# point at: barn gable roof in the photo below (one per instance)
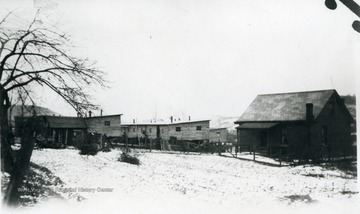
(285, 106)
(65, 122)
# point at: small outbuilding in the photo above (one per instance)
(309, 124)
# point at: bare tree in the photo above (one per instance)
(39, 54)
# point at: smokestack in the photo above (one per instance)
(171, 119)
(90, 113)
(309, 111)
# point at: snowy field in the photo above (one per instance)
(188, 183)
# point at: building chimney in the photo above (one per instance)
(101, 112)
(189, 118)
(134, 121)
(171, 119)
(309, 111)
(78, 114)
(90, 113)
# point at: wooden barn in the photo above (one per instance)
(162, 133)
(65, 130)
(141, 133)
(70, 130)
(313, 124)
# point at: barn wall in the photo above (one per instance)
(297, 137)
(274, 136)
(188, 131)
(97, 125)
(249, 137)
(218, 135)
(338, 129)
(135, 131)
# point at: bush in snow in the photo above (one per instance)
(128, 158)
(88, 149)
(106, 149)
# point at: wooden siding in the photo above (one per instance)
(109, 125)
(189, 131)
(137, 130)
(218, 135)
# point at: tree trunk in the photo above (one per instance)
(21, 168)
(7, 161)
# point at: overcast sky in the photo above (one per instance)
(204, 58)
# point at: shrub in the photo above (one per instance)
(44, 142)
(106, 149)
(127, 158)
(88, 149)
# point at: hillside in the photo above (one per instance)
(223, 122)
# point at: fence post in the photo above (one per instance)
(126, 142)
(219, 148)
(280, 151)
(254, 152)
(150, 143)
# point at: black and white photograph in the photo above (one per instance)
(179, 106)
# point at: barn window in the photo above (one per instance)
(198, 128)
(107, 123)
(150, 130)
(178, 129)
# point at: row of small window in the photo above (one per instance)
(178, 129)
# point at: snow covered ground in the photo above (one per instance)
(190, 183)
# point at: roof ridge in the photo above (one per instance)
(294, 92)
